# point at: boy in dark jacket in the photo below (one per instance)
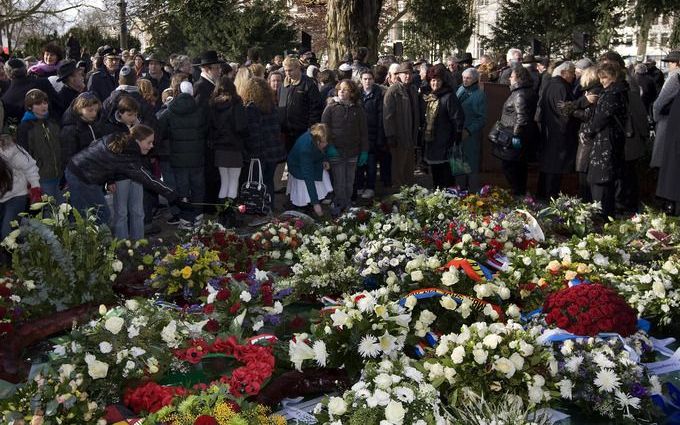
(183, 125)
(39, 136)
(372, 100)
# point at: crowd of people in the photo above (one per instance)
(142, 125)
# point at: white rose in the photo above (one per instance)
(136, 351)
(505, 367)
(97, 369)
(168, 333)
(416, 276)
(132, 305)
(114, 324)
(65, 370)
(383, 381)
(117, 266)
(457, 355)
(336, 406)
(411, 302)
(659, 289)
(30, 285)
(517, 360)
(394, 412)
(513, 311)
(480, 355)
(448, 303)
(105, 347)
(492, 341)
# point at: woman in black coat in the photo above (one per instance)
(227, 131)
(444, 120)
(517, 117)
(607, 157)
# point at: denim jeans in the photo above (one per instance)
(190, 184)
(9, 210)
(343, 171)
(85, 196)
(128, 210)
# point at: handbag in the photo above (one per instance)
(501, 143)
(457, 161)
(254, 194)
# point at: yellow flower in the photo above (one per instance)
(186, 272)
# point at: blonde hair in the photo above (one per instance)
(147, 90)
(258, 92)
(291, 61)
(589, 77)
(320, 133)
(241, 80)
(257, 70)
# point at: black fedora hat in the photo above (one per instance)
(673, 56)
(464, 58)
(154, 57)
(209, 58)
(529, 58)
(67, 68)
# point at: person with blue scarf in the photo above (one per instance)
(39, 136)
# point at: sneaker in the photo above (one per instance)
(173, 220)
(185, 224)
(368, 194)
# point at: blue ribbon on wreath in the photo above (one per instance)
(669, 405)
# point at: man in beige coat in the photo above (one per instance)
(401, 118)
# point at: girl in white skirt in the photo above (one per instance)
(308, 179)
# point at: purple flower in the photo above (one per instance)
(639, 390)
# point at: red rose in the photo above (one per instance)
(234, 308)
(212, 326)
(223, 294)
(205, 420)
(240, 277)
(208, 308)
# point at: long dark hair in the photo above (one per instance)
(6, 177)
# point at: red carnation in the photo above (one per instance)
(223, 294)
(205, 420)
(589, 309)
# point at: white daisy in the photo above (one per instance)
(607, 380)
(369, 347)
(603, 361)
(566, 387)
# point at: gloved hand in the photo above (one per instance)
(35, 194)
(332, 151)
(516, 142)
(363, 159)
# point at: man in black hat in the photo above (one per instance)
(73, 84)
(103, 81)
(211, 71)
(155, 73)
(529, 62)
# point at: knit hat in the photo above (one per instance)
(186, 87)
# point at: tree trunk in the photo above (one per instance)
(643, 34)
(351, 24)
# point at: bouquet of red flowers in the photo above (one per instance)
(151, 397)
(588, 309)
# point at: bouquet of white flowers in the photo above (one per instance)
(389, 392)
